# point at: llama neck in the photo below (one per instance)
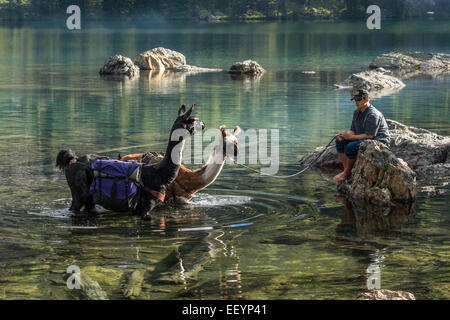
(213, 166)
(174, 151)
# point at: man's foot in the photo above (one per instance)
(339, 176)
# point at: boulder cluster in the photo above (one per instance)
(158, 59)
(162, 59)
(388, 70)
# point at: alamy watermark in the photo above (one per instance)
(374, 270)
(74, 280)
(74, 20)
(374, 278)
(374, 20)
(263, 147)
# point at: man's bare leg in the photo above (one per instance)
(348, 170)
(339, 176)
(348, 165)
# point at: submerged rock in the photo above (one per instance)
(379, 177)
(193, 69)
(133, 287)
(406, 64)
(119, 65)
(246, 67)
(91, 289)
(425, 152)
(386, 295)
(375, 81)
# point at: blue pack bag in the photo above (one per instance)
(114, 185)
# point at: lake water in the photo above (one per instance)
(293, 238)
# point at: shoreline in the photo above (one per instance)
(210, 19)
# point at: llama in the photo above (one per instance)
(188, 182)
(154, 178)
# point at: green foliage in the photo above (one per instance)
(234, 9)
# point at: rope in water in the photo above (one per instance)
(289, 176)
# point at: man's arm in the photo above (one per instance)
(358, 136)
(350, 135)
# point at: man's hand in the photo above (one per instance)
(346, 135)
(343, 135)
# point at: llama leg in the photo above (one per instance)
(89, 204)
(76, 205)
(146, 214)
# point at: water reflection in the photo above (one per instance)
(249, 81)
(361, 225)
(365, 220)
(164, 82)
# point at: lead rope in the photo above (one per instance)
(289, 176)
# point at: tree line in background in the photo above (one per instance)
(226, 9)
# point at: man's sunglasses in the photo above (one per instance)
(357, 98)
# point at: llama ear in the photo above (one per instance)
(182, 110)
(223, 130)
(237, 130)
(189, 112)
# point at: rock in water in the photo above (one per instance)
(375, 81)
(413, 63)
(419, 147)
(119, 65)
(400, 65)
(386, 295)
(134, 285)
(246, 67)
(160, 59)
(91, 288)
(193, 69)
(379, 177)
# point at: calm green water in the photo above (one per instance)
(303, 243)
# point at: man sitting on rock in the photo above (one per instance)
(368, 124)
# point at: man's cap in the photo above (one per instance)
(360, 93)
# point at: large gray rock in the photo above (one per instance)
(425, 152)
(119, 65)
(379, 177)
(377, 82)
(420, 148)
(405, 65)
(386, 295)
(246, 67)
(162, 59)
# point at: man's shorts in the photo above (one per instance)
(349, 147)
